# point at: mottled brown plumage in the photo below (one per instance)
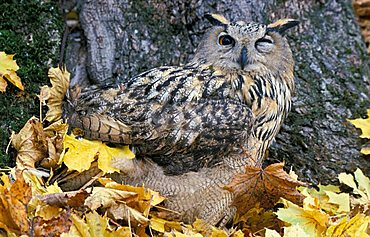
(193, 127)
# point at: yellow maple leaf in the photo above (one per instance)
(120, 231)
(329, 187)
(94, 224)
(3, 84)
(106, 197)
(5, 182)
(363, 124)
(162, 225)
(143, 194)
(202, 228)
(363, 182)
(78, 228)
(356, 226)
(80, 153)
(176, 233)
(206, 229)
(238, 233)
(341, 199)
(109, 157)
(97, 224)
(271, 233)
(257, 219)
(310, 218)
(294, 231)
(362, 189)
(365, 150)
(330, 198)
(8, 66)
(216, 232)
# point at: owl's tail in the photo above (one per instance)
(80, 111)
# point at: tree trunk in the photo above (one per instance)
(117, 39)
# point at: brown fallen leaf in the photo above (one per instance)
(257, 219)
(54, 95)
(53, 227)
(72, 180)
(30, 143)
(143, 201)
(35, 144)
(54, 136)
(46, 212)
(121, 211)
(6, 221)
(263, 186)
(115, 203)
(14, 206)
(72, 199)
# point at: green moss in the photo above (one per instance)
(31, 30)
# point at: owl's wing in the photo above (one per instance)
(163, 130)
(198, 134)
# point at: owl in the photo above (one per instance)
(193, 127)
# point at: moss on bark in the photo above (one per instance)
(31, 30)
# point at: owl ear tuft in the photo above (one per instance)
(282, 25)
(216, 19)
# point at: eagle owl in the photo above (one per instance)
(193, 127)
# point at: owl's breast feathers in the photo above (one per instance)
(185, 118)
(269, 98)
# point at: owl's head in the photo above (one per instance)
(248, 47)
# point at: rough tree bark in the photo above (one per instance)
(117, 39)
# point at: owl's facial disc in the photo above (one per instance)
(244, 46)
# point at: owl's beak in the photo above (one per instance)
(243, 57)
